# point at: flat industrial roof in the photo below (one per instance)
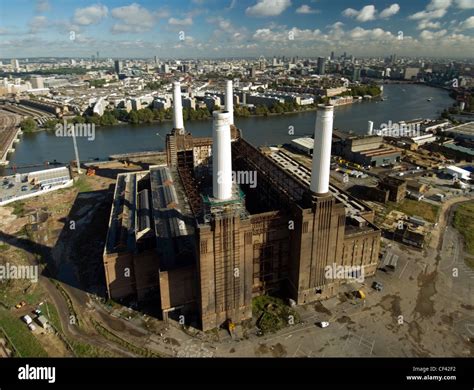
(353, 207)
(459, 148)
(465, 129)
(306, 142)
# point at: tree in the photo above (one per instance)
(134, 117)
(50, 124)
(97, 83)
(78, 119)
(94, 119)
(145, 115)
(153, 85)
(28, 125)
(108, 119)
(261, 110)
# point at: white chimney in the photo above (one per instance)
(229, 100)
(177, 106)
(322, 149)
(370, 129)
(221, 156)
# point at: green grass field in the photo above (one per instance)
(427, 211)
(82, 185)
(464, 223)
(19, 334)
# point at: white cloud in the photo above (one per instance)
(428, 15)
(429, 35)
(438, 4)
(436, 9)
(180, 22)
(162, 13)
(90, 15)
(426, 24)
(376, 33)
(38, 23)
(364, 15)
(226, 30)
(306, 9)
(467, 24)
(390, 11)
(465, 4)
(42, 6)
(336, 25)
(133, 18)
(268, 8)
(281, 36)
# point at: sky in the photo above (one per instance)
(235, 28)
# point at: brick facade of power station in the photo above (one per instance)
(275, 237)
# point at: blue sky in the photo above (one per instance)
(226, 28)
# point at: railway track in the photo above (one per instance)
(8, 131)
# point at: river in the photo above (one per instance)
(403, 102)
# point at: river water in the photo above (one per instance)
(403, 102)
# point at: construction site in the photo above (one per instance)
(204, 244)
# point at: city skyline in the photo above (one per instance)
(247, 28)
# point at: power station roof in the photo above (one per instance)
(305, 142)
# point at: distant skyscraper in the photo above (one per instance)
(252, 72)
(321, 65)
(15, 64)
(37, 82)
(118, 66)
(332, 56)
(344, 55)
(98, 57)
(156, 60)
(356, 74)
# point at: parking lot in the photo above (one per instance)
(12, 187)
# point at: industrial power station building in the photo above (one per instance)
(223, 222)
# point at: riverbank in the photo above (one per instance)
(208, 119)
(402, 103)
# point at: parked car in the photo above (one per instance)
(323, 324)
(20, 304)
(24, 188)
(27, 319)
(32, 327)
